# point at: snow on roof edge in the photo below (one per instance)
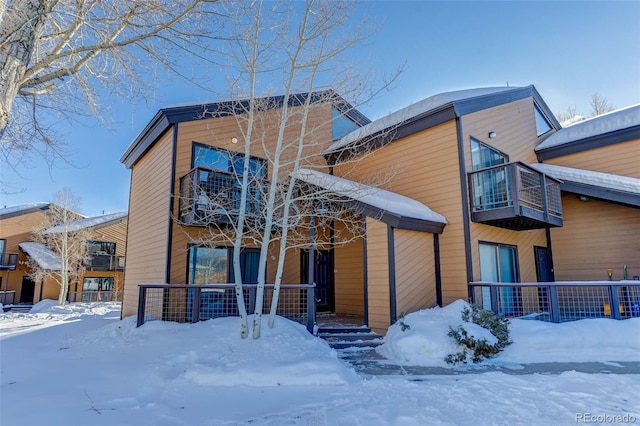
(612, 121)
(43, 255)
(417, 108)
(88, 222)
(370, 195)
(589, 177)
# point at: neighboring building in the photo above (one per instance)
(104, 265)
(461, 200)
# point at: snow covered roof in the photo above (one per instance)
(190, 111)
(421, 108)
(614, 121)
(608, 186)
(384, 205)
(22, 209)
(43, 255)
(89, 222)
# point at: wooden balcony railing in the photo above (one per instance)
(211, 196)
(514, 196)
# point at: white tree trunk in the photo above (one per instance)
(16, 51)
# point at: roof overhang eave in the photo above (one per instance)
(606, 194)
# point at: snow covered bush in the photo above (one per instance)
(478, 347)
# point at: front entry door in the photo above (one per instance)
(321, 276)
(28, 290)
(544, 274)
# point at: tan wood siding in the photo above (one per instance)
(217, 132)
(415, 271)
(515, 127)
(348, 274)
(596, 235)
(16, 230)
(378, 276)
(116, 233)
(523, 240)
(425, 167)
(621, 159)
(148, 215)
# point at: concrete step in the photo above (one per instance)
(350, 337)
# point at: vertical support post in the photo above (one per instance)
(312, 248)
(311, 307)
(436, 255)
(493, 291)
(195, 303)
(142, 296)
(4, 294)
(391, 247)
(555, 305)
(614, 302)
(545, 201)
(365, 273)
(513, 185)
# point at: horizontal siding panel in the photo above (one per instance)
(621, 159)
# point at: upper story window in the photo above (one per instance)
(483, 156)
(226, 161)
(101, 248)
(542, 124)
(342, 124)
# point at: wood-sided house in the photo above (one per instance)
(447, 191)
(104, 266)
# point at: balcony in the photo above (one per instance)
(209, 197)
(104, 262)
(8, 261)
(514, 196)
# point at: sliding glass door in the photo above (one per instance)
(498, 263)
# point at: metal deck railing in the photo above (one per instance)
(193, 303)
(560, 301)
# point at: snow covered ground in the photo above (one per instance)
(81, 365)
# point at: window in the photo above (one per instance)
(101, 248)
(208, 265)
(3, 245)
(499, 264)
(226, 161)
(542, 124)
(482, 155)
(97, 283)
(342, 124)
(490, 186)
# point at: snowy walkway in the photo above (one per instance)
(367, 362)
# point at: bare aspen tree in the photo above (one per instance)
(301, 50)
(58, 56)
(67, 242)
(599, 105)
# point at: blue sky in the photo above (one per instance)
(568, 50)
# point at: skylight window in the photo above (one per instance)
(542, 124)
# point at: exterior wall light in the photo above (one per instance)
(234, 140)
(492, 135)
(584, 198)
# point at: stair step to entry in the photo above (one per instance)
(350, 337)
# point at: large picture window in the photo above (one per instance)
(97, 284)
(226, 161)
(483, 155)
(208, 265)
(489, 187)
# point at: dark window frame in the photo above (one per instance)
(231, 153)
(511, 246)
(473, 140)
